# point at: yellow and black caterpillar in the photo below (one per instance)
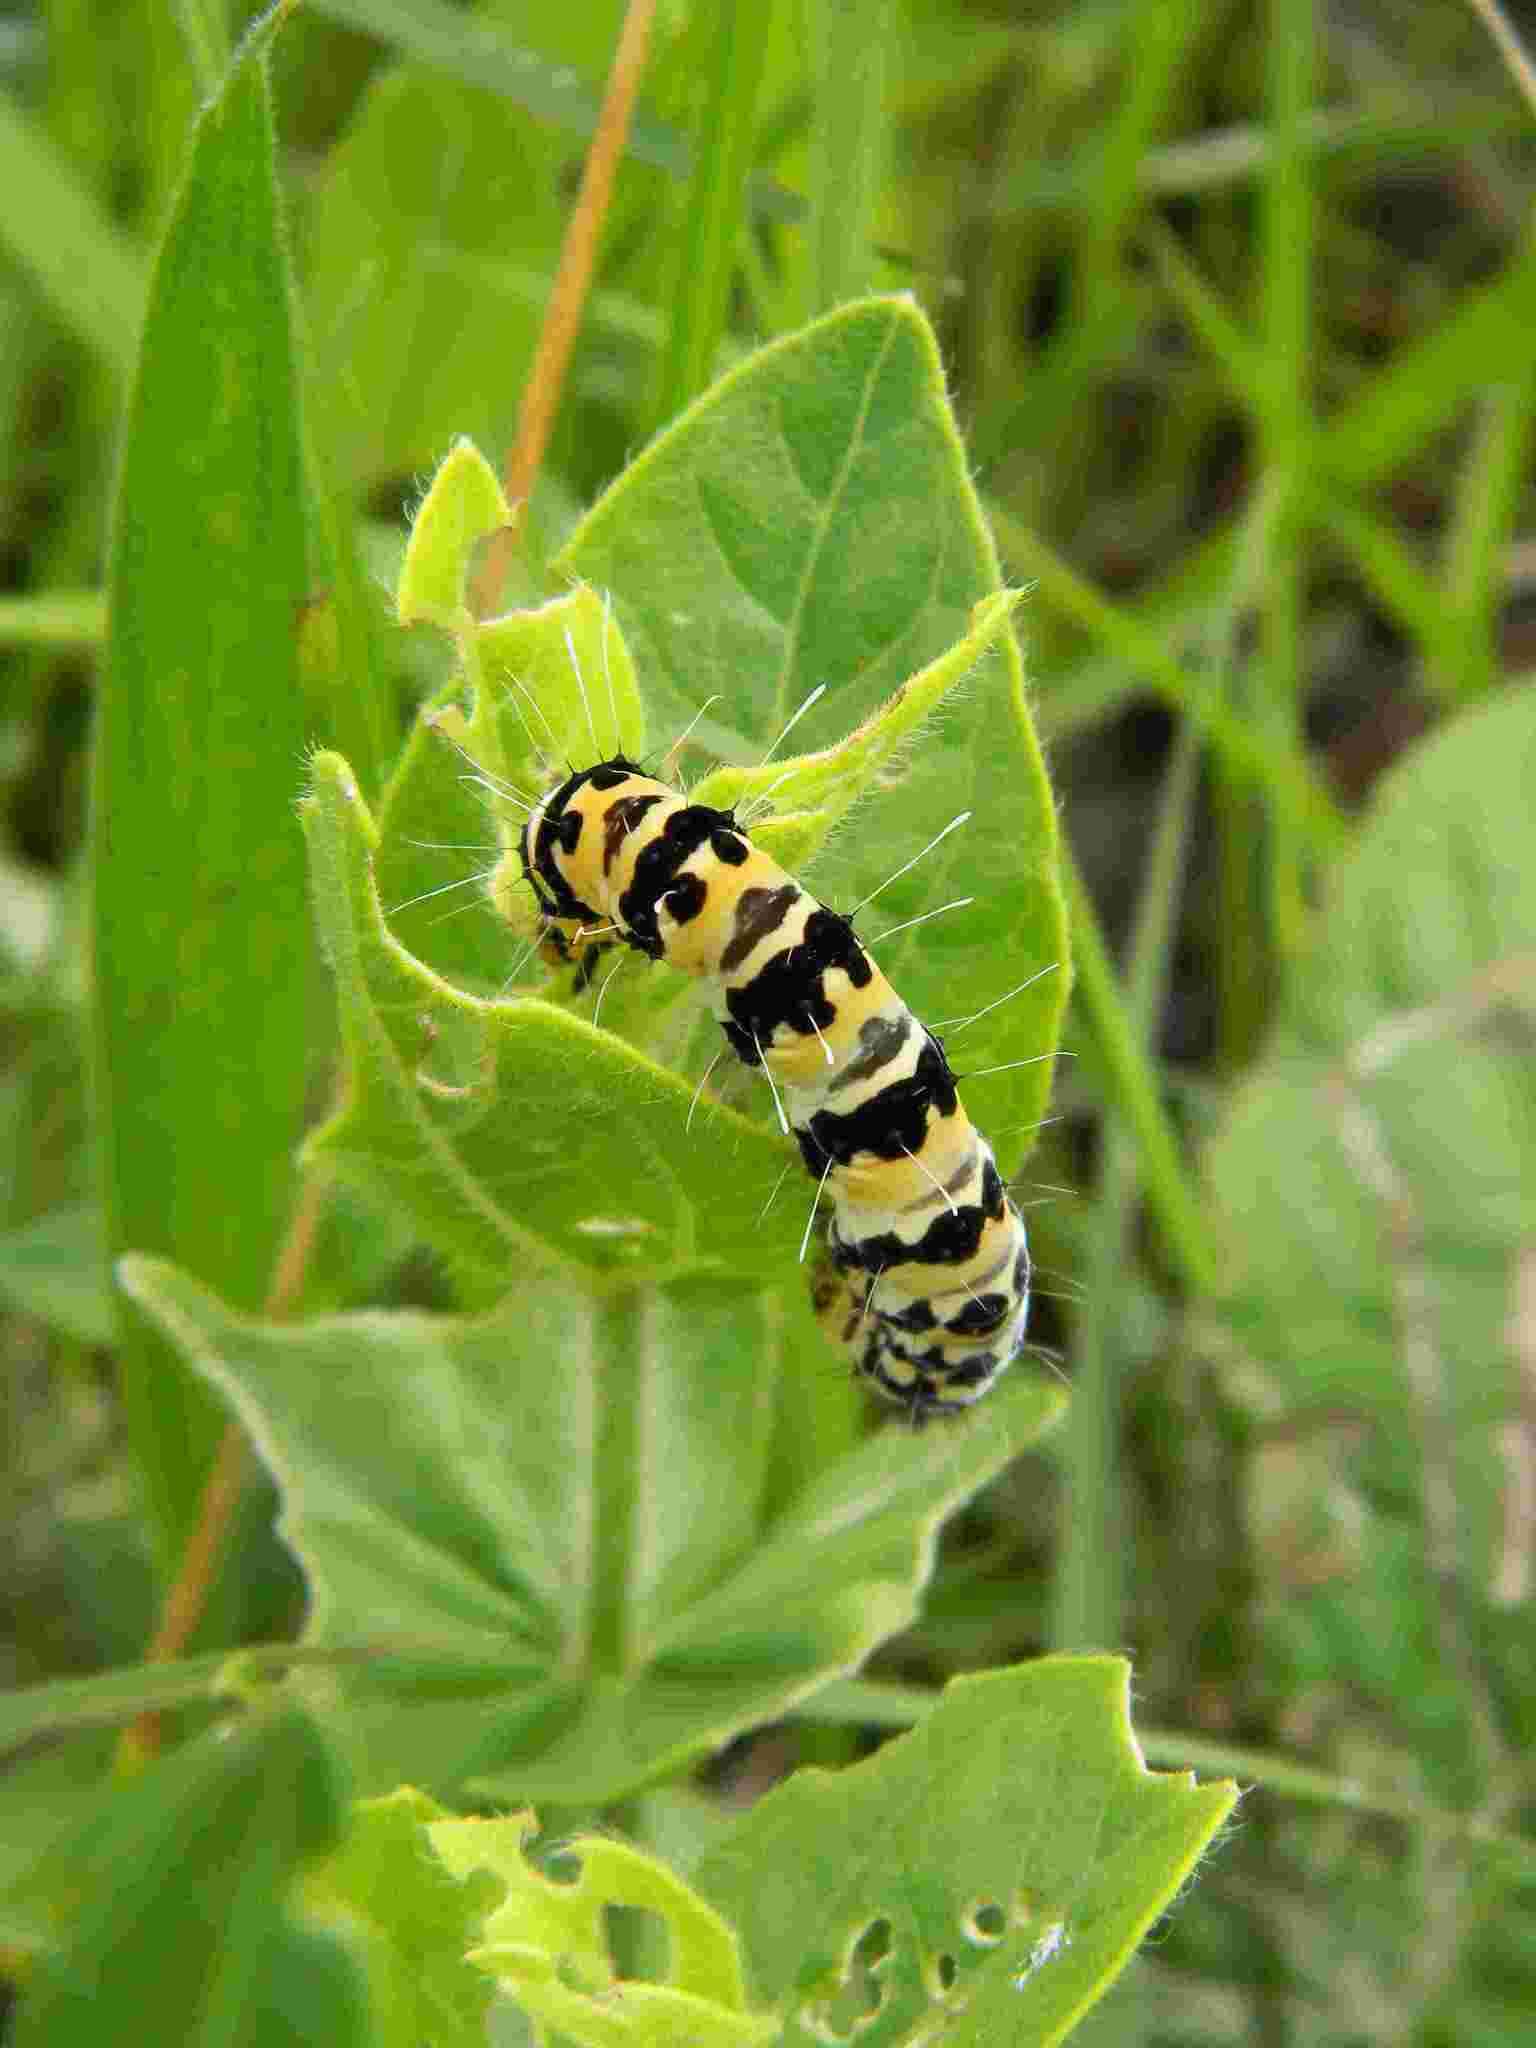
(931, 1262)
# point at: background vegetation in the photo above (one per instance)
(1238, 307)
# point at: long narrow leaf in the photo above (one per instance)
(56, 232)
(848, 41)
(1488, 501)
(1285, 777)
(1171, 1194)
(1491, 333)
(200, 929)
(735, 39)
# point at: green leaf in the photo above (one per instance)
(546, 1942)
(811, 520)
(501, 1128)
(1171, 1190)
(551, 684)
(55, 231)
(1489, 496)
(349, 652)
(812, 792)
(557, 82)
(413, 1923)
(201, 987)
(558, 684)
(861, 403)
(1377, 1183)
(848, 46)
(981, 1880)
(446, 1088)
(169, 1899)
(463, 504)
(726, 61)
(554, 683)
(498, 1498)
(1401, 583)
(1284, 776)
(54, 1269)
(43, 1795)
(1491, 331)
(434, 237)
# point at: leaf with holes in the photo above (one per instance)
(546, 1942)
(410, 1921)
(981, 1881)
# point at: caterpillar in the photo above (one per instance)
(926, 1283)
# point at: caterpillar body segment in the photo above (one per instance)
(925, 1278)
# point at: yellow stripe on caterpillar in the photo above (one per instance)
(926, 1278)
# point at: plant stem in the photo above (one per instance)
(568, 294)
(733, 40)
(849, 40)
(187, 1594)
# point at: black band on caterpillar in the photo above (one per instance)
(928, 1283)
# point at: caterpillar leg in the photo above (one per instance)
(841, 1301)
(928, 1336)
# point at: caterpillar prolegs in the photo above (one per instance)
(927, 1275)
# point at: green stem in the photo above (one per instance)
(1488, 499)
(1091, 1573)
(1251, 759)
(1286, 428)
(849, 40)
(1171, 1194)
(734, 39)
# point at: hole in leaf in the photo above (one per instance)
(856, 2000)
(984, 1923)
(873, 1945)
(946, 1972)
(639, 1941)
(572, 1975)
(558, 1863)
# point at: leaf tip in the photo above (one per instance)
(463, 505)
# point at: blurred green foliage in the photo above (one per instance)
(1238, 309)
